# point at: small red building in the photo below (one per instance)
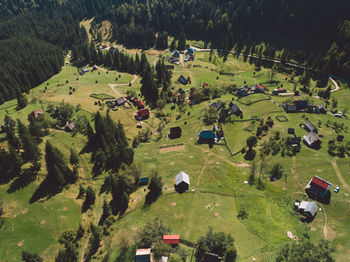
(171, 239)
(36, 113)
(143, 113)
(140, 104)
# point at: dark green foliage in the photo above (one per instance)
(155, 188)
(162, 41)
(213, 242)
(80, 232)
(242, 214)
(89, 199)
(276, 171)
(181, 45)
(149, 88)
(231, 254)
(73, 158)
(107, 211)
(210, 116)
(306, 251)
(152, 232)
(252, 141)
(31, 257)
(21, 101)
(95, 239)
(108, 145)
(82, 192)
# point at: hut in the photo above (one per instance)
(182, 182)
(143, 255)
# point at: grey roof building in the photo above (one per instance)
(312, 139)
(309, 209)
(182, 177)
(310, 127)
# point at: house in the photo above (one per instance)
(307, 209)
(144, 181)
(257, 89)
(182, 80)
(217, 105)
(279, 91)
(143, 113)
(120, 101)
(143, 255)
(171, 239)
(301, 105)
(206, 136)
(242, 92)
(182, 182)
(85, 70)
(176, 54)
(94, 67)
(312, 140)
(308, 126)
(70, 127)
(289, 108)
(322, 108)
(210, 257)
(175, 132)
(236, 110)
(140, 105)
(164, 259)
(190, 51)
(318, 186)
(37, 113)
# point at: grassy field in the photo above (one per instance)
(217, 190)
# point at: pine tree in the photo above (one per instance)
(89, 199)
(31, 257)
(181, 45)
(149, 88)
(107, 211)
(73, 159)
(21, 100)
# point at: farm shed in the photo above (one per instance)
(144, 180)
(171, 239)
(312, 140)
(308, 126)
(176, 54)
(143, 113)
(206, 136)
(183, 80)
(236, 110)
(308, 209)
(143, 255)
(37, 113)
(182, 182)
(120, 101)
(70, 127)
(175, 132)
(318, 186)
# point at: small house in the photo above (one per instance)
(308, 126)
(120, 101)
(236, 110)
(37, 113)
(210, 257)
(183, 80)
(205, 85)
(171, 239)
(175, 132)
(143, 255)
(318, 186)
(289, 108)
(144, 181)
(257, 89)
(176, 54)
(301, 105)
(94, 67)
(307, 209)
(182, 182)
(312, 140)
(241, 92)
(143, 113)
(322, 109)
(206, 136)
(140, 104)
(70, 127)
(190, 51)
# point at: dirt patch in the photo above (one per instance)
(19, 244)
(346, 194)
(24, 211)
(340, 247)
(319, 170)
(172, 163)
(146, 154)
(216, 215)
(65, 209)
(134, 228)
(171, 149)
(284, 188)
(208, 206)
(290, 234)
(218, 163)
(173, 204)
(330, 234)
(191, 156)
(313, 228)
(217, 204)
(221, 149)
(43, 222)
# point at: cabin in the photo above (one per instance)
(143, 114)
(183, 80)
(205, 85)
(144, 181)
(308, 126)
(70, 127)
(171, 239)
(210, 257)
(120, 101)
(279, 91)
(37, 113)
(182, 182)
(140, 105)
(322, 109)
(104, 46)
(176, 54)
(318, 187)
(175, 132)
(143, 255)
(206, 137)
(312, 140)
(236, 110)
(307, 209)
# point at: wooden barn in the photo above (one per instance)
(171, 239)
(182, 182)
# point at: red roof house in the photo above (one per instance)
(140, 104)
(261, 87)
(171, 239)
(143, 113)
(318, 186)
(36, 113)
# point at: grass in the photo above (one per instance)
(102, 96)
(216, 177)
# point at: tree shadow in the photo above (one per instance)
(44, 190)
(21, 181)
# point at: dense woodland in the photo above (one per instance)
(312, 32)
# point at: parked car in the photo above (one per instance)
(336, 190)
(340, 115)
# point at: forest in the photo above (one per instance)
(310, 32)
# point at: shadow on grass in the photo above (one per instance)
(21, 182)
(44, 190)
